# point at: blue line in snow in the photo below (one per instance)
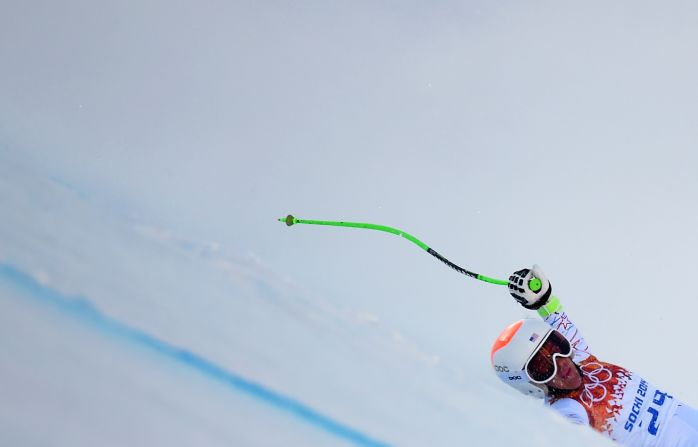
(84, 310)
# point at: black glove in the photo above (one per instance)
(530, 288)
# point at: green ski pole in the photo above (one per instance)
(290, 220)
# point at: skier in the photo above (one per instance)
(550, 359)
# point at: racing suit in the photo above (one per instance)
(615, 401)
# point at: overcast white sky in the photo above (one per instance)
(500, 133)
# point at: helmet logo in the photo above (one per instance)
(534, 337)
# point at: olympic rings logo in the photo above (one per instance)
(595, 391)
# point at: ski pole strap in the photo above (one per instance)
(291, 220)
(553, 305)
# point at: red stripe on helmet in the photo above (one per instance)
(505, 337)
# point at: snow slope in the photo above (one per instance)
(117, 332)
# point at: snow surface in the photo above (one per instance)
(98, 309)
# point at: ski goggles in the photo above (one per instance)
(541, 367)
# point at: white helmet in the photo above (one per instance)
(513, 348)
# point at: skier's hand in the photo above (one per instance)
(530, 287)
